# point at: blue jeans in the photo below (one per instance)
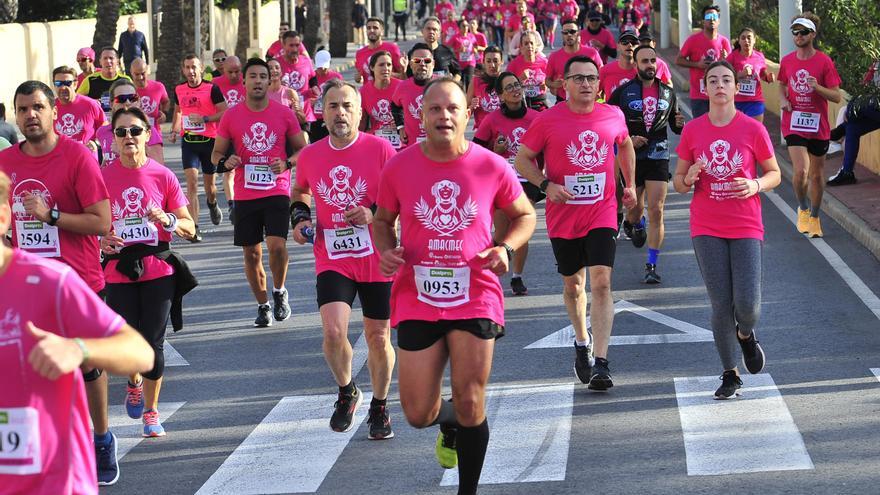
(868, 121)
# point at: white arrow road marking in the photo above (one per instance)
(290, 451)
(688, 332)
(749, 434)
(359, 355)
(876, 372)
(172, 357)
(129, 432)
(530, 428)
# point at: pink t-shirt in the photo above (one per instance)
(663, 72)
(258, 138)
(480, 41)
(698, 47)
(532, 75)
(448, 30)
(79, 119)
(750, 87)
(71, 188)
(604, 36)
(339, 180)
(463, 45)
(569, 9)
(232, 93)
(809, 109)
(297, 75)
(317, 102)
(276, 50)
(362, 58)
(579, 155)
(731, 151)
(203, 100)
(612, 76)
(376, 105)
(649, 104)
(496, 124)
(445, 221)
(408, 96)
(441, 8)
(152, 97)
(557, 60)
(515, 21)
(133, 192)
(106, 141)
(55, 299)
(489, 101)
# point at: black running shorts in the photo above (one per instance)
(651, 170)
(375, 297)
(597, 248)
(815, 147)
(256, 218)
(417, 335)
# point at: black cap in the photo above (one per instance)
(629, 33)
(594, 15)
(646, 36)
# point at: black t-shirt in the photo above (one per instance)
(445, 61)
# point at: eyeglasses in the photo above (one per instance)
(579, 79)
(131, 98)
(426, 60)
(133, 131)
(58, 84)
(801, 32)
(220, 60)
(513, 87)
(570, 31)
(710, 17)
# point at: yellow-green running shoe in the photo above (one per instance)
(445, 447)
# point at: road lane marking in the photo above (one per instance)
(876, 372)
(750, 434)
(129, 432)
(172, 357)
(530, 429)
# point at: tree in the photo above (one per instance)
(106, 17)
(189, 33)
(170, 51)
(340, 27)
(8, 11)
(311, 32)
(243, 40)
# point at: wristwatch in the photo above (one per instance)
(544, 184)
(509, 250)
(54, 215)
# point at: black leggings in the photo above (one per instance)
(145, 306)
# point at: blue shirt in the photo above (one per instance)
(133, 45)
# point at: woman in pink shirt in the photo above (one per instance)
(123, 94)
(481, 93)
(284, 94)
(751, 69)
(531, 68)
(148, 206)
(376, 94)
(719, 154)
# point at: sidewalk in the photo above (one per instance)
(856, 208)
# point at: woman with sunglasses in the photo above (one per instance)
(123, 94)
(481, 93)
(285, 95)
(147, 206)
(531, 68)
(751, 69)
(718, 157)
(500, 132)
(376, 116)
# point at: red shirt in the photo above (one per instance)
(698, 47)
(612, 76)
(376, 105)
(79, 119)
(557, 60)
(71, 188)
(809, 115)
(362, 58)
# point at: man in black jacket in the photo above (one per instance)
(445, 61)
(649, 107)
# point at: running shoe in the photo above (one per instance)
(380, 424)
(639, 234)
(263, 319)
(842, 178)
(803, 221)
(343, 410)
(730, 384)
(601, 378)
(814, 227)
(628, 229)
(753, 354)
(282, 306)
(107, 463)
(651, 276)
(197, 237)
(583, 362)
(444, 449)
(216, 213)
(134, 400)
(152, 427)
(518, 287)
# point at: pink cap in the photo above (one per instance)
(86, 52)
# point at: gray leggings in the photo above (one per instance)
(731, 269)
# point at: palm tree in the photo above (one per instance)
(107, 16)
(171, 49)
(189, 42)
(340, 26)
(8, 11)
(311, 32)
(243, 40)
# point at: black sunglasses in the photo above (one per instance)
(133, 131)
(801, 32)
(125, 98)
(570, 31)
(58, 84)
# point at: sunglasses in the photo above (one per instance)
(426, 60)
(220, 60)
(570, 31)
(628, 41)
(81, 60)
(579, 79)
(58, 84)
(711, 17)
(801, 32)
(133, 131)
(513, 87)
(125, 98)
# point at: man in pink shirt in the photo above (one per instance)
(663, 73)
(613, 75)
(342, 174)
(406, 103)
(232, 87)
(571, 46)
(700, 50)
(599, 37)
(154, 102)
(375, 32)
(808, 80)
(446, 301)
(85, 58)
(578, 139)
(51, 324)
(260, 131)
(78, 118)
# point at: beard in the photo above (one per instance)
(647, 75)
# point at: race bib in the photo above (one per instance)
(748, 87)
(20, 441)
(586, 188)
(105, 104)
(467, 56)
(512, 161)
(804, 121)
(189, 125)
(349, 242)
(532, 91)
(38, 238)
(259, 177)
(136, 230)
(152, 121)
(391, 136)
(319, 106)
(443, 287)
